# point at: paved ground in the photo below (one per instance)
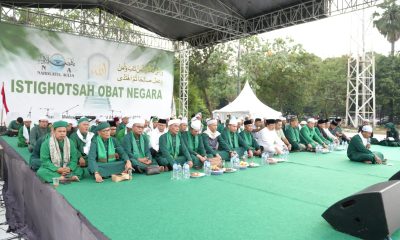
(4, 235)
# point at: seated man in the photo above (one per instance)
(113, 128)
(293, 135)
(328, 133)
(308, 136)
(392, 136)
(34, 160)
(302, 124)
(319, 130)
(172, 147)
(14, 126)
(38, 131)
(183, 127)
(248, 138)
(235, 142)
(278, 128)
(82, 140)
(155, 136)
(136, 145)
(258, 126)
(123, 123)
(214, 144)
(358, 149)
(269, 138)
(58, 156)
(195, 145)
(106, 156)
(337, 130)
(23, 133)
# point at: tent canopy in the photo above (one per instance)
(247, 103)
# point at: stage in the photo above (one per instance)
(282, 201)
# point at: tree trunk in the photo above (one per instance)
(391, 114)
(392, 50)
(208, 104)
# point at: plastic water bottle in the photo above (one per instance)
(318, 149)
(285, 154)
(245, 156)
(264, 158)
(186, 171)
(207, 168)
(346, 145)
(179, 172)
(175, 172)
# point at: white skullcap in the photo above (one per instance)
(137, 121)
(196, 125)
(367, 128)
(43, 118)
(311, 120)
(174, 121)
(233, 121)
(74, 123)
(211, 121)
(129, 124)
(195, 119)
(303, 122)
(102, 119)
(282, 118)
(184, 121)
(27, 119)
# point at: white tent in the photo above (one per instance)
(247, 103)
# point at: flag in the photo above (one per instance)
(3, 94)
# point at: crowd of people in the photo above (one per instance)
(67, 148)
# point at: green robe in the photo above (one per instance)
(35, 134)
(128, 147)
(21, 138)
(165, 157)
(93, 129)
(34, 160)
(293, 136)
(193, 151)
(223, 148)
(319, 134)
(48, 170)
(249, 139)
(79, 144)
(220, 127)
(238, 148)
(121, 126)
(120, 134)
(357, 152)
(14, 125)
(108, 168)
(308, 136)
(393, 133)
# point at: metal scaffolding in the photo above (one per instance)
(184, 54)
(360, 101)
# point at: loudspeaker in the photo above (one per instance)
(371, 214)
(396, 176)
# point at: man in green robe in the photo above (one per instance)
(392, 136)
(319, 130)
(58, 156)
(214, 144)
(106, 156)
(23, 133)
(123, 123)
(172, 147)
(34, 160)
(293, 135)
(248, 138)
(235, 142)
(38, 131)
(195, 145)
(136, 145)
(82, 140)
(14, 126)
(358, 149)
(337, 130)
(308, 136)
(183, 127)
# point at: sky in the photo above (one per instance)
(336, 36)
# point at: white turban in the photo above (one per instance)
(303, 122)
(311, 120)
(43, 118)
(174, 121)
(184, 121)
(367, 128)
(196, 125)
(138, 121)
(233, 121)
(211, 121)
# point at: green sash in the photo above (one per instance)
(248, 139)
(136, 152)
(101, 150)
(170, 147)
(235, 142)
(192, 146)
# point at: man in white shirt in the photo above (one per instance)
(270, 140)
(155, 136)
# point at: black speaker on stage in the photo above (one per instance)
(396, 176)
(371, 214)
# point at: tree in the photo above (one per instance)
(388, 22)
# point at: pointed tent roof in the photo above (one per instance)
(248, 103)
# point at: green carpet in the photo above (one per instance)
(283, 201)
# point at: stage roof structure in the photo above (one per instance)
(203, 23)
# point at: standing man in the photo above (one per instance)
(58, 156)
(106, 156)
(82, 139)
(23, 133)
(136, 145)
(38, 131)
(172, 147)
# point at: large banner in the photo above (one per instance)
(55, 73)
